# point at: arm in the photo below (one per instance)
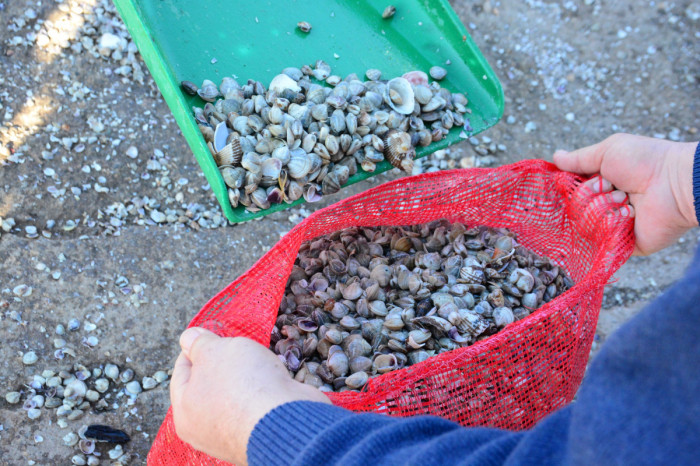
(233, 399)
(637, 405)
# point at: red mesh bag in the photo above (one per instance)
(510, 380)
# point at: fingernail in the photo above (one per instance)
(188, 337)
(560, 152)
(596, 184)
(618, 196)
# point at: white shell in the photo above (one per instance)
(281, 82)
(220, 136)
(76, 389)
(271, 167)
(405, 90)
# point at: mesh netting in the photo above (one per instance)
(510, 380)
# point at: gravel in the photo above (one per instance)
(106, 218)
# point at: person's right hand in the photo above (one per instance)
(656, 174)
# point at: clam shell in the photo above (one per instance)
(251, 162)
(422, 94)
(259, 198)
(357, 380)
(233, 177)
(294, 191)
(435, 103)
(398, 150)
(208, 92)
(503, 316)
(384, 363)
(402, 88)
(438, 72)
(281, 82)
(388, 12)
(312, 192)
(230, 154)
(299, 165)
(234, 196)
(416, 77)
(294, 73)
(228, 86)
(271, 168)
(373, 74)
(189, 87)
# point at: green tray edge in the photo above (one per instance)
(168, 87)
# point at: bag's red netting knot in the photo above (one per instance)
(510, 380)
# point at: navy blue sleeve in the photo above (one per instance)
(639, 404)
(696, 182)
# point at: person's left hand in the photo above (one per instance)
(222, 387)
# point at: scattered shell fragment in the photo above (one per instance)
(148, 383)
(70, 439)
(115, 452)
(160, 376)
(133, 387)
(101, 385)
(87, 446)
(73, 324)
(22, 290)
(304, 26)
(29, 358)
(111, 371)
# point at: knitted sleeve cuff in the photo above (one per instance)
(696, 182)
(290, 426)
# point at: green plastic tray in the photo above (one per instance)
(196, 40)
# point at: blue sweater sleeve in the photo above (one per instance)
(639, 404)
(696, 182)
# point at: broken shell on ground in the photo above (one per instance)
(29, 358)
(148, 383)
(13, 397)
(133, 388)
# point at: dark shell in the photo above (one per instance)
(103, 433)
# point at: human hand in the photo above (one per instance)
(222, 387)
(656, 174)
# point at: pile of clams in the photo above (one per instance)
(366, 301)
(298, 138)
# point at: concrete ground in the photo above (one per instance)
(88, 150)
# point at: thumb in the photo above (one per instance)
(585, 161)
(192, 340)
(179, 379)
